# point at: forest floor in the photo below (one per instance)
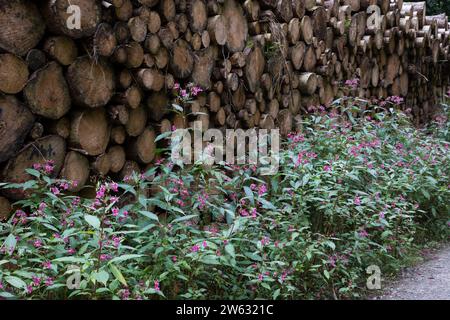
(429, 280)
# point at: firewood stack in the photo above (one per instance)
(94, 99)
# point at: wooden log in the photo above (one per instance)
(61, 48)
(90, 131)
(308, 83)
(254, 68)
(5, 209)
(13, 73)
(35, 59)
(16, 122)
(142, 149)
(60, 127)
(47, 93)
(21, 25)
(105, 41)
(203, 68)
(75, 169)
(117, 157)
(118, 134)
(217, 29)
(62, 20)
(198, 15)
(49, 148)
(151, 79)
(102, 164)
(182, 60)
(91, 83)
(136, 121)
(237, 28)
(157, 104)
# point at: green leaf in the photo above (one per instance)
(6, 295)
(10, 243)
(150, 215)
(229, 248)
(177, 107)
(163, 136)
(126, 257)
(210, 259)
(249, 194)
(93, 221)
(101, 276)
(276, 294)
(326, 274)
(16, 282)
(33, 172)
(70, 259)
(189, 217)
(119, 276)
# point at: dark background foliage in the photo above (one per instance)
(437, 6)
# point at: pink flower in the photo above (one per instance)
(37, 243)
(195, 248)
(114, 187)
(262, 189)
(71, 251)
(204, 244)
(29, 288)
(363, 233)
(174, 258)
(48, 168)
(36, 281)
(176, 86)
(101, 192)
(49, 281)
(47, 264)
(327, 168)
(105, 257)
(196, 90)
(115, 211)
(37, 166)
(357, 201)
(156, 285)
(55, 190)
(243, 212)
(265, 241)
(42, 206)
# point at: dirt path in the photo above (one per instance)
(427, 281)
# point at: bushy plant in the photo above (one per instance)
(355, 189)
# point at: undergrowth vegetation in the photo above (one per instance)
(351, 191)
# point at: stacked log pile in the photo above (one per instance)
(92, 99)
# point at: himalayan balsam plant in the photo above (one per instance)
(355, 188)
